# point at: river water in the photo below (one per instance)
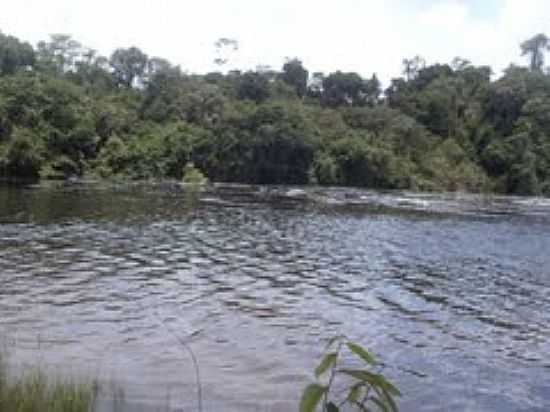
(451, 291)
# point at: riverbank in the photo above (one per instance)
(333, 198)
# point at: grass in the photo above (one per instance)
(35, 392)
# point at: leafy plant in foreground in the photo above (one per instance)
(360, 389)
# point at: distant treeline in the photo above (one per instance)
(67, 111)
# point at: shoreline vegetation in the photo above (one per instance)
(66, 112)
(367, 388)
(34, 391)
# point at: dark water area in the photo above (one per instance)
(451, 291)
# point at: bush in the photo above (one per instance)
(61, 167)
(113, 157)
(23, 157)
(192, 175)
(326, 170)
(449, 168)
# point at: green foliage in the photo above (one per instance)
(535, 48)
(513, 162)
(23, 157)
(449, 168)
(338, 388)
(116, 114)
(157, 151)
(311, 397)
(280, 145)
(61, 167)
(129, 66)
(65, 110)
(253, 86)
(296, 76)
(58, 55)
(113, 158)
(34, 392)
(362, 163)
(349, 89)
(14, 55)
(192, 175)
(326, 170)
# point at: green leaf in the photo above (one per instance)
(331, 407)
(363, 375)
(392, 389)
(386, 399)
(332, 341)
(389, 387)
(389, 399)
(372, 378)
(355, 392)
(361, 352)
(326, 363)
(311, 397)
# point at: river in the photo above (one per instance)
(450, 291)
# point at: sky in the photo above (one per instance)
(366, 36)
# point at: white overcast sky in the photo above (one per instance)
(367, 36)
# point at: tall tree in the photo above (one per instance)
(412, 66)
(14, 54)
(129, 66)
(60, 54)
(296, 75)
(372, 90)
(535, 48)
(349, 89)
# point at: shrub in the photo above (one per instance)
(192, 175)
(326, 170)
(61, 167)
(23, 158)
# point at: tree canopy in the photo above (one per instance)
(66, 110)
(14, 55)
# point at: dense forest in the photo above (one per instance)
(67, 111)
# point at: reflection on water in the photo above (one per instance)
(452, 291)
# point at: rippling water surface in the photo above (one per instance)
(451, 291)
